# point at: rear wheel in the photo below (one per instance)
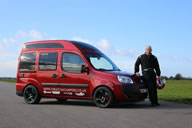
(103, 97)
(31, 95)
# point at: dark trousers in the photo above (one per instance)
(150, 80)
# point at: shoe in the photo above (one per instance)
(157, 104)
(152, 105)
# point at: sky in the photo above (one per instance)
(119, 28)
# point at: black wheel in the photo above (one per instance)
(61, 100)
(31, 95)
(103, 97)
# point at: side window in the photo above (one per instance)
(72, 63)
(27, 61)
(48, 61)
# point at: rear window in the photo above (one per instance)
(44, 45)
(48, 61)
(27, 61)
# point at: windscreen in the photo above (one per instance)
(101, 62)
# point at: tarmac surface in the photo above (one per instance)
(49, 113)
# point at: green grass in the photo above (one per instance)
(179, 91)
(8, 80)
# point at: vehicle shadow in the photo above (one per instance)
(69, 103)
(129, 105)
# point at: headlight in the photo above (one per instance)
(125, 79)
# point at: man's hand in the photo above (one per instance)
(137, 74)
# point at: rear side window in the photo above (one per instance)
(27, 61)
(72, 63)
(48, 61)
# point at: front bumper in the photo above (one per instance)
(133, 92)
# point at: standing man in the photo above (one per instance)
(150, 68)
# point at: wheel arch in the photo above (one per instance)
(33, 85)
(102, 86)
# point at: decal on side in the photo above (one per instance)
(80, 94)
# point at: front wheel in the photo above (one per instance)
(31, 95)
(103, 97)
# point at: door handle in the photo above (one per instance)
(63, 76)
(22, 75)
(54, 75)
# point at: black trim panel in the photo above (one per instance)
(19, 93)
(65, 85)
(50, 84)
(130, 90)
(75, 85)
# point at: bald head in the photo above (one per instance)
(148, 50)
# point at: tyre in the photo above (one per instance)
(103, 97)
(31, 95)
(61, 100)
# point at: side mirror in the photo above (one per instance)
(84, 69)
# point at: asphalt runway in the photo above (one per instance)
(15, 113)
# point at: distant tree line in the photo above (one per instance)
(7, 78)
(178, 76)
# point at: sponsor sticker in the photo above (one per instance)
(80, 94)
(46, 92)
(56, 92)
(65, 91)
(68, 93)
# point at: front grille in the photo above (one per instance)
(130, 91)
(138, 80)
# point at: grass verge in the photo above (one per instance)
(8, 80)
(179, 91)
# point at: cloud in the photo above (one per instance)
(1, 47)
(22, 35)
(10, 48)
(32, 35)
(104, 45)
(4, 56)
(109, 49)
(35, 35)
(179, 58)
(8, 68)
(125, 65)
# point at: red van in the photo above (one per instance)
(64, 70)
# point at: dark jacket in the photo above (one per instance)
(147, 62)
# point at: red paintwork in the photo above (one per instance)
(94, 78)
